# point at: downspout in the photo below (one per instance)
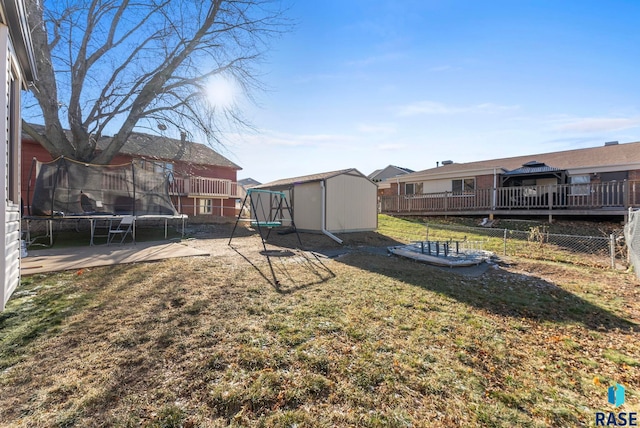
(324, 214)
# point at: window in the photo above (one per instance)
(580, 185)
(155, 166)
(13, 153)
(412, 188)
(169, 171)
(206, 206)
(464, 186)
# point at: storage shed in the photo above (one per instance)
(330, 202)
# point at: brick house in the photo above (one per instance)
(204, 182)
(593, 181)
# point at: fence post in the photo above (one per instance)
(505, 242)
(612, 250)
(427, 237)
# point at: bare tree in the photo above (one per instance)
(120, 63)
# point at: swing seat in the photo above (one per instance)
(266, 223)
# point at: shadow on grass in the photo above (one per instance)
(315, 271)
(322, 243)
(503, 293)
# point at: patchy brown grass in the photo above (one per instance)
(299, 339)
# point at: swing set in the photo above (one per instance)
(266, 212)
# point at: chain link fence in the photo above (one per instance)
(536, 243)
(632, 237)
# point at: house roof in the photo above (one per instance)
(390, 169)
(248, 182)
(307, 178)
(588, 158)
(374, 173)
(159, 147)
(532, 167)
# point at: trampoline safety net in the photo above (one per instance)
(65, 187)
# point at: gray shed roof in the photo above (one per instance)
(308, 178)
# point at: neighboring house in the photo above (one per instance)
(380, 176)
(388, 172)
(601, 180)
(204, 182)
(243, 185)
(331, 202)
(17, 68)
(248, 182)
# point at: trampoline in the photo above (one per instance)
(65, 190)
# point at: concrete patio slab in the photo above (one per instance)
(54, 260)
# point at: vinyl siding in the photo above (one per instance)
(351, 204)
(307, 200)
(11, 271)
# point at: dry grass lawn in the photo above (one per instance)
(362, 339)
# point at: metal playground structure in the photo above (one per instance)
(268, 210)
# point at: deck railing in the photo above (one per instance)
(610, 195)
(204, 186)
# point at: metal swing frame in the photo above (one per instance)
(270, 221)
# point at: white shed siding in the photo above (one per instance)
(284, 214)
(351, 204)
(307, 210)
(266, 206)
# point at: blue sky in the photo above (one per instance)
(366, 84)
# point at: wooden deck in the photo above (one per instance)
(205, 187)
(602, 199)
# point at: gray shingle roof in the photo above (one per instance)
(388, 171)
(593, 157)
(164, 148)
(307, 178)
(160, 147)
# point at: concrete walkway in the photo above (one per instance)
(54, 260)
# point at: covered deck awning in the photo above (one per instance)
(531, 171)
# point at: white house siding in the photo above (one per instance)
(10, 233)
(351, 204)
(12, 78)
